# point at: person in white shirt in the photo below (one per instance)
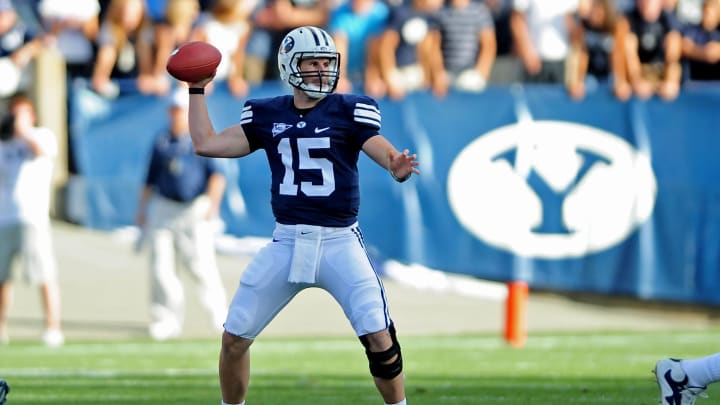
(27, 155)
(73, 27)
(541, 33)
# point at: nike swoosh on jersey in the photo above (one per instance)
(318, 130)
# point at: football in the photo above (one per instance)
(193, 61)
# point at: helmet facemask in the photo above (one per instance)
(327, 79)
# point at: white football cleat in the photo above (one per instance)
(673, 384)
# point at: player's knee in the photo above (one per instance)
(234, 346)
(386, 364)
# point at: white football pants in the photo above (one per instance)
(343, 270)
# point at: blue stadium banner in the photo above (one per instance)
(518, 183)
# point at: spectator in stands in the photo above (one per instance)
(407, 46)
(125, 49)
(257, 51)
(18, 47)
(173, 28)
(652, 49)
(594, 58)
(467, 47)
(27, 157)
(73, 28)
(156, 9)
(227, 26)
(541, 34)
(701, 44)
(505, 66)
(356, 26)
(273, 19)
(178, 205)
(684, 12)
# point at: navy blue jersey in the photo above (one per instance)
(599, 45)
(651, 35)
(14, 38)
(313, 155)
(176, 172)
(408, 21)
(701, 70)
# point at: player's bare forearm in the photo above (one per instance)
(201, 128)
(488, 50)
(401, 165)
(231, 142)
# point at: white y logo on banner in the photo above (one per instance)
(551, 189)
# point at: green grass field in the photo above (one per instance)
(609, 368)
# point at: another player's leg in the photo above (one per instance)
(234, 368)
(385, 359)
(676, 386)
(702, 371)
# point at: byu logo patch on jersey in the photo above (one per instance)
(279, 128)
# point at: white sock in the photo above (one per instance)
(225, 403)
(403, 402)
(702, 371)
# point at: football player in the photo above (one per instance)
(312, 140)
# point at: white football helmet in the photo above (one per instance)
(303, 43)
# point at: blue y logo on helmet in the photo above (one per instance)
(288, 44)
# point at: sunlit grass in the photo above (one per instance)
(612, 368)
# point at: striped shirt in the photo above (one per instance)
(460, 29)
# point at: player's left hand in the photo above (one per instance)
(403, 164)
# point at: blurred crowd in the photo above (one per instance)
(388, 47)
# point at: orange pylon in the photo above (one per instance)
(516, 313)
